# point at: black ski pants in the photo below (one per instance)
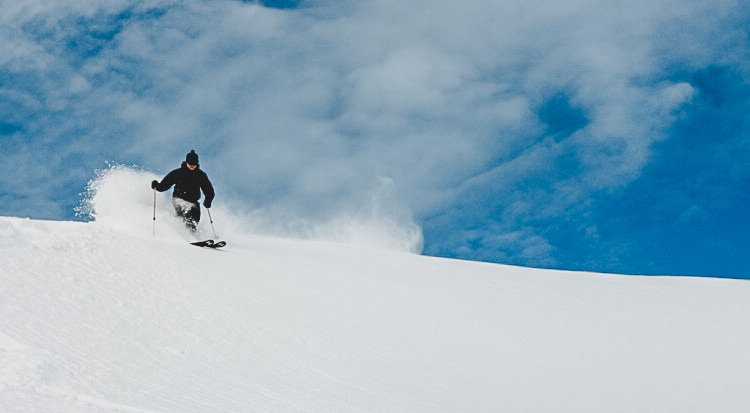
(190, 212)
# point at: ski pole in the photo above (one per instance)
(154, 232)
(212, 221)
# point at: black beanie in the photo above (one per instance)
(192, 158)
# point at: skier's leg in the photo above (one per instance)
(194, 216)
(186, 211)
(179, 209)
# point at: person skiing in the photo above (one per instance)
(188, 180)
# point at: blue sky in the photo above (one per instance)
(586, 136)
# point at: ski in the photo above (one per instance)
(209, 243)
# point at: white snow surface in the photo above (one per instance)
(107, 316)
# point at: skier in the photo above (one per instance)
(188, 181)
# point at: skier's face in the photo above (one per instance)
(191, 167)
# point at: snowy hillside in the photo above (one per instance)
(104, 316)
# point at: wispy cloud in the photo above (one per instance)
(489, 118)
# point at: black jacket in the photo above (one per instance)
(188, 184)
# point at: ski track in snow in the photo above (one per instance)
(97, 317)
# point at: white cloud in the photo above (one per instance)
(304, 110)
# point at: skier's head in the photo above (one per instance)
(192, 158)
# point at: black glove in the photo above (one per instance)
(154, 184)
(207, 204)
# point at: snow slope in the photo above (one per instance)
(105, 316)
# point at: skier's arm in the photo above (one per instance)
(208, 191)
(165, 183)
